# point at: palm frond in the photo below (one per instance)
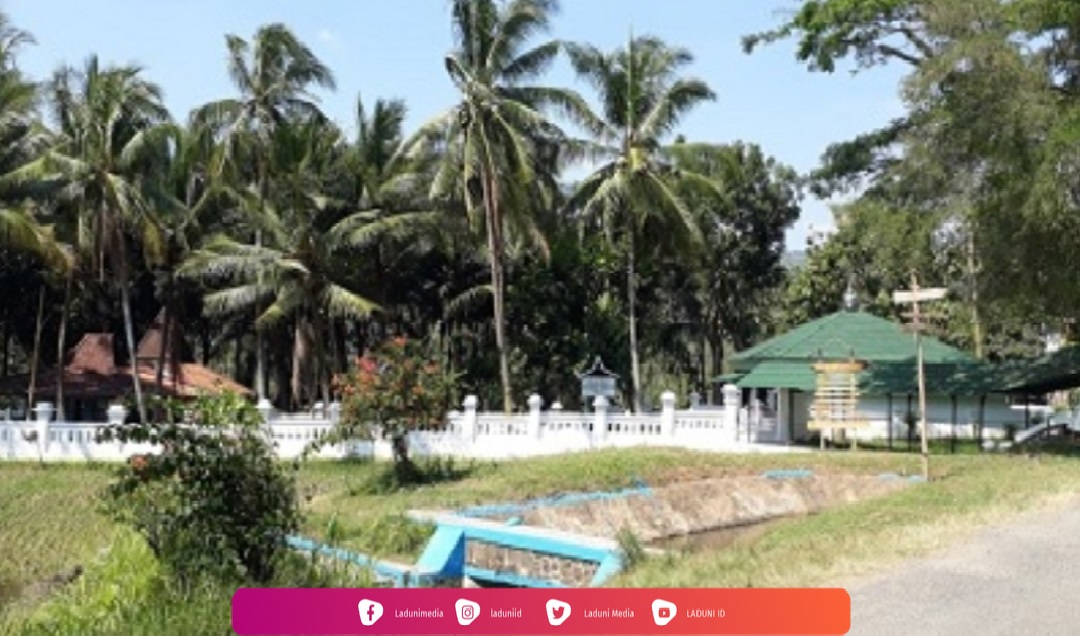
(468, 299)
(342, 303)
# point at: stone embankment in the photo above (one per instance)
(711, 504)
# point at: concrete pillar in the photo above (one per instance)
(535, 402)
(732, 399)
(667, 414)
(600, 419)
(695, 400)
(334, 412)
(267, 410)
(468, 420)
(116, 414)
(43, 414)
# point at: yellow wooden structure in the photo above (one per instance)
(836, 397)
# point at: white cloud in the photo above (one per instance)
(327, 36)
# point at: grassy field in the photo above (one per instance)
(49, 523)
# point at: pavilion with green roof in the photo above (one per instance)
(964, 395)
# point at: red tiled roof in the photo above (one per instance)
(192, 380)
(94, 353)
(150, 346)
(92, 372)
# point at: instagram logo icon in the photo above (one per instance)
(467, 611)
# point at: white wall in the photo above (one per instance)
(467, 434)
(474, 434)
(996, 416)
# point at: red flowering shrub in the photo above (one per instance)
(393, 390)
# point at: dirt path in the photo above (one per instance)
(1021, 577)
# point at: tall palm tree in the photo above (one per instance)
(274, 75)
(495, 140)
(642, 98)
(298, 272)
(114, 133)
(22, 139)
(185, 199)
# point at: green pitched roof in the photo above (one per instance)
(1052, 372)
(780, 375)
(847, 333)
(881, 378)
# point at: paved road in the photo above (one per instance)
(1016, 579)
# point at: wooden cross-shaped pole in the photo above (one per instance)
(914, 296)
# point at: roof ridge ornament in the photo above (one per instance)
(851, 299)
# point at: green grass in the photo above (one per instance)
(49, 523)
(840, 544)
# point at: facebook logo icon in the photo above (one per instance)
(370, 612)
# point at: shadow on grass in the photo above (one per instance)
(394, 477)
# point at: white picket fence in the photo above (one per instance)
(468, 433)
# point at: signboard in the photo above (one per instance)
(598, 381)
(592, 386)
(923, 295)
(836, 399)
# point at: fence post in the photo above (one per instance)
(468, 421)
(667, 413)
(116, 414)
(267, 409)
(43, 414)
(600, 420)
(732, 397)
(535, 402)
(695, 400)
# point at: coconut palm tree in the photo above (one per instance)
(22, 139)
(642, 98)
(297, 273)
(274, 75)
(496, 141)
(114, 133)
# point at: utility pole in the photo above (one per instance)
(914, 297)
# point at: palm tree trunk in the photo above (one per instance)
(61, 346)
(260, 345)
(495, 249)
(36, 355)
(166, 324)
(129, 330)
(298, 355)
(976, 317)
(631, 297)
(7, 351)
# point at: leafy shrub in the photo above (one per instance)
(392, 391)
(631, 550)
(127, 591)
(214, 502)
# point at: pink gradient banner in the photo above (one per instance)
(301, 612)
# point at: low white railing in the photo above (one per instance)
(467, 433)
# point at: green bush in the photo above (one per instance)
(127, 591)
(214, 502)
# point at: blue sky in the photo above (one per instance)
(394, 48)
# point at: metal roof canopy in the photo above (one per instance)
(598, 380)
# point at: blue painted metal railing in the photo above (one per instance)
(565, 499)
(401, 576)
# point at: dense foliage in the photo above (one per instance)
(975, 187)
(283, 249)
(215, 502)
(393, 390)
